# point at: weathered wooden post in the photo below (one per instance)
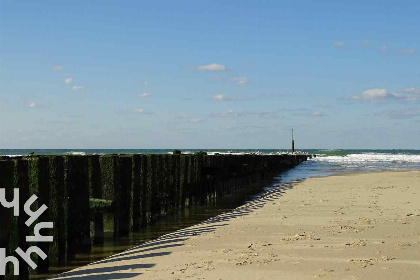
(96, 189)
(184, 166)
(152, 187)
(22, 183)
(78, 221)
(137, 192)
(123, 196)
(8, 228)
(43, 181)
(177, 181)
(57, 211)
(145, 192)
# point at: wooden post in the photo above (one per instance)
(78, 222)
(6, 214)
(57, 211)
(22, 182)
(123, 197)
(96, 188)
(136, 192)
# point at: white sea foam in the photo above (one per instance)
(368, 162)
(73, 153)
(370, 157)
(12, 155)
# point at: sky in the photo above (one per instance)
(210, 74)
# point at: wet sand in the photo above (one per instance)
(357, 226)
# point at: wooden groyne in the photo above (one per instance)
(136, 189)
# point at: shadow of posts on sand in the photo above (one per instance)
(115, 270)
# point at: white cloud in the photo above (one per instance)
(144, 94)
(407, 113)
(142, 111)
(318, 114)
(32, 105)
(68, 81)
(407, 94)
(195, 120)
(227, 114)
(212, 67)
(339, 44)
(384, 49)
(139, 110)
(240, 81)
(371, 94)
(57, 68)
(407, 51)
(221, 97)
(410, 94)
(145, 83)
(78, 88)
(245, 114)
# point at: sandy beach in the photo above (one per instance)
(357, 226)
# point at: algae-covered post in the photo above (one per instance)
(96, 193)
(57, 211)
(152, 187)
(6, 214)
(145, 194)
(78, 222)
(123, 196)
(136, 192)
(22, 183)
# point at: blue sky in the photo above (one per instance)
(209, 74)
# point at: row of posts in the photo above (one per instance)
(137, 189)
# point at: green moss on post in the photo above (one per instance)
(177, 178)
(205, 179)
(100, 205)
(44, 198)
(136, 192)
(33, 190)
(183, 180)
(152, 187)
(57, 211)
(109, 175)
(110, 183)
(145, 193)
(22, 183)
(97, 206)
(78, 222)
(160, 185)
(198, 185)
(6, 214)
(123, 196)
(190, 192)
(171, 185)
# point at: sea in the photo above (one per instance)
(324, 163)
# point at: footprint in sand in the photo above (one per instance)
(402, 245)
(324, 272)
(363, 263)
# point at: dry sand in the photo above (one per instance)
(357, 226)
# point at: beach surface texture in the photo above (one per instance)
(357, 226)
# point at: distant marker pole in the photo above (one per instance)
(293, 143)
